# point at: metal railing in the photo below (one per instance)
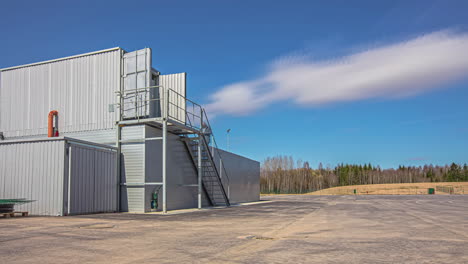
(213, 149)
(150, 102)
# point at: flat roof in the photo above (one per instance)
(59, 59)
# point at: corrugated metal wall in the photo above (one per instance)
(94, 180)
(133, 169)
(137, 74)
(39, 170)
(177, 104)
(105, 136)
(79, 88)
(34, 170)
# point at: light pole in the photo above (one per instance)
(227, 138)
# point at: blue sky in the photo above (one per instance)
(225, 43)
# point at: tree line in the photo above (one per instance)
(283, 174)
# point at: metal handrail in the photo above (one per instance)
(172, 107)
(211, 157)
(215, 145)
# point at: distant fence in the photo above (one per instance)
(451, 189)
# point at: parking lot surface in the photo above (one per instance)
(288, 229)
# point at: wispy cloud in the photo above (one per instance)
(393, 71)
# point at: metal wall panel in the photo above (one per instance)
(137, 74)
(106, 181)
(93, 180)
(133, 169)
(244, 177)
(33, 170)
(105, 136)
(79, 88)
(180, 172)
(177, 103)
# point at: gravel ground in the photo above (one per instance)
(289, 229)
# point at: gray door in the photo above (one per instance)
(93, 186)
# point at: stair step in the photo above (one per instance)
(211, 180)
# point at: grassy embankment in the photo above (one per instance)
(397, 189)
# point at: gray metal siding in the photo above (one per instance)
(79, 88)
(93, 180)
(133, 169)
(106, 181)
(244, 177)
(33, 170)
(180, 171)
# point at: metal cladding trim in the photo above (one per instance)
(59, 59)
(68, 139)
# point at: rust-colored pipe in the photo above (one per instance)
(50, 132)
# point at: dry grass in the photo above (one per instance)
(398, 188)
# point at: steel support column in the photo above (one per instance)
(200, 171)
(164, 163)
(118, 165)
(164, 149)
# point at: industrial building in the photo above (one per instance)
(107, 132)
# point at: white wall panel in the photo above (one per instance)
(35, 171)
(137, 75)
(177, 103)
(79, 88)
(39, 170)
(104, 136)
(133, 169)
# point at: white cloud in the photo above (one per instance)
(393, 71)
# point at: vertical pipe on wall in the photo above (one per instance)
(51, 130)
